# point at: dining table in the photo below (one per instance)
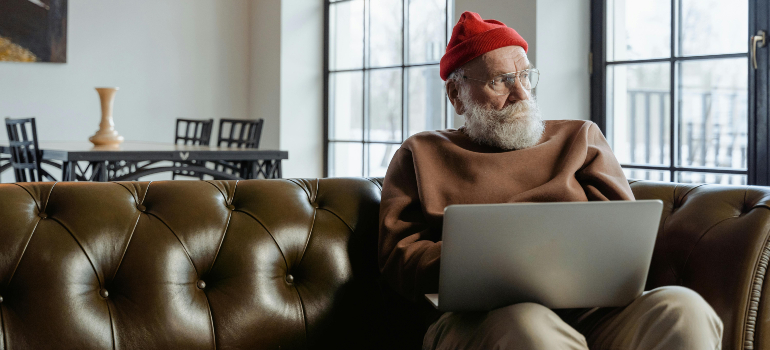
(131, 160)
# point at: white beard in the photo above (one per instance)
(517, 126)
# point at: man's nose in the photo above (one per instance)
(518, 92)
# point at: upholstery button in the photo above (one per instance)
(289, 279)
(141, 208)
(231, 207)
(104, 293)
(201, 284)
(42, 215)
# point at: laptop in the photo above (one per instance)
(560, 255)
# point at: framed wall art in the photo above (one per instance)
(33, 30)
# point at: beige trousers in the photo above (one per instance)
(664, 318)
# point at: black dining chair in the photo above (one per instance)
(26, 156)
(238, 133)
(195, 132)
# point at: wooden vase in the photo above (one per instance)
(106, 135)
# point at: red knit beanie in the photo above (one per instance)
(473, 37)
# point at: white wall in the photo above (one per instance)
(563, 44)
(302, 90)
(265, 72)
(170, 58)
(558, 35)
(287, 80)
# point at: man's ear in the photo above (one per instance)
(453, 92)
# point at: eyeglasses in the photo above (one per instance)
(503, 84)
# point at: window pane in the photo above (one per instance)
(346, 35)
(714, 27)
(712, 178)
(346, 106)
(346, 159)
(638, 29)
(639, 112)
(426, 99)
(713, 100)
(386, 33)
(427, 30)
(385, 105)
(379, 158)
(641, 174)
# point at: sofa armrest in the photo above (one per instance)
(714, 239)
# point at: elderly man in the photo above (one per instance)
(505, 153)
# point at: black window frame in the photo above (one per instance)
(758, 153)
(404, 66)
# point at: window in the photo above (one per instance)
(672, 91)
(382, 80)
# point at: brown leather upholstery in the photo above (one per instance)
(189, 264)
(202, 265)
(714, 240)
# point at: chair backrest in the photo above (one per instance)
(241, 133)
(25, 155)
(193, 131)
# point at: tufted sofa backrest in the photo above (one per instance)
(265, 264)
(291, 264)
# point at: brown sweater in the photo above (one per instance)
(431, 170)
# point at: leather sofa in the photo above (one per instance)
(291, 264)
